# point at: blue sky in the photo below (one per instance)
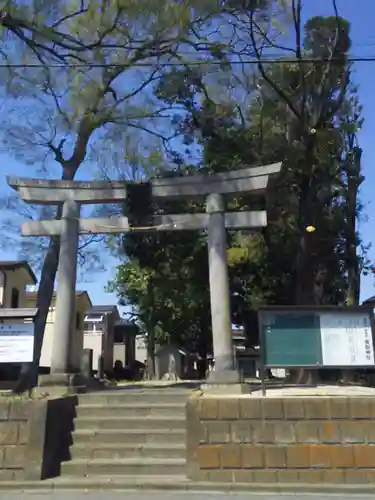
(361, 14)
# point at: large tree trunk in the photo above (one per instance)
(304, 272)
(28, 377)
(354, 181)
(150, 368)
(304, 282)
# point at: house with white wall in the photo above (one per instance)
(83, 302)
(110, 337)
(15, 277)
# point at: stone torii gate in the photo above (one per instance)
(72, 194)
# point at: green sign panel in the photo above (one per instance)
(330, 338)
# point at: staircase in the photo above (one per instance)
(129, 434)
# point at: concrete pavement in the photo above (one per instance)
(128, 495)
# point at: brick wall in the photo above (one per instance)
(289, 440)
(13, 439)
(34, 437)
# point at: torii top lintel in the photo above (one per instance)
(50, 192)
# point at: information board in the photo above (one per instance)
(16, 342)
(346, 339)
(331, 338)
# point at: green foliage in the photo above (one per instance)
(75, 70)
(324, 33)
(166, 282)
(306, 114)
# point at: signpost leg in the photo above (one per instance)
(263, 379)
(225, 371)
(65, 297)
(262, 368)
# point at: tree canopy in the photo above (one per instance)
(137, 88)
(305, 113)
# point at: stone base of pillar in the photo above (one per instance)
(225, 381)
(67, 383)
(221, 389)
(224, 377)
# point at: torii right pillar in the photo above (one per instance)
(225, 372)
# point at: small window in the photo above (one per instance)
(119, 336)
(88, 326)
(15, 298)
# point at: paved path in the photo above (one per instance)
(65, 495)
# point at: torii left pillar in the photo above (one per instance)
(65, 363)
(65, 298)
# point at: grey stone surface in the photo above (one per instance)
(55, 195)
(56, 191)
(171, 496)
(99, 225)
(66, 285)
(218, 388)
(225, 371)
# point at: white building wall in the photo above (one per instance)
(140, 348)
(94, 340)
(18, 279)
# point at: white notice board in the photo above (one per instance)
(346, 339)
(16, 342)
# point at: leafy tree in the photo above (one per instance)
(168, 255)
(323, 118)
(55, 113)
(307, 114)
(165, 280)
(48, 29)
(322, 201)
(312, 93)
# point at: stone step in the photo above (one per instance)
(121, 451)
(114, 397)
(177, 486)
(131, 410)
(112, 483)
(129, 436)
(114, 423)
(125, 467)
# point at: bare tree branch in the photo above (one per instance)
(58, 151)
(345, 76)
(297, 9)
(76, 13)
